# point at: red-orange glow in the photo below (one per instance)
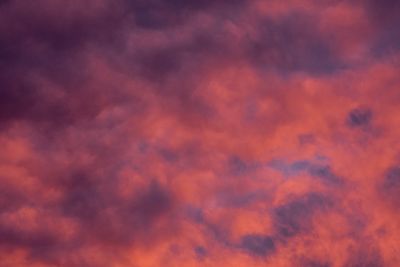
(147, 133)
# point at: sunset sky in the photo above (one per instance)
(188, 133)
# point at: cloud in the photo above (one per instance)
(201, 252)
(296, 216)
(359, 117)
(161, 14)
(368, 256)
(306, 262)
(319, 170)
(257, 245)
(326, 174)
(390, 186)
(190, 133)
(293, 43)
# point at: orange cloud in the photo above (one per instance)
(199, 133)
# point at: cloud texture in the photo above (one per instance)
(144, 133)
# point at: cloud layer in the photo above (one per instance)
(199, 133)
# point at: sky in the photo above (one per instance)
(185, 133)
